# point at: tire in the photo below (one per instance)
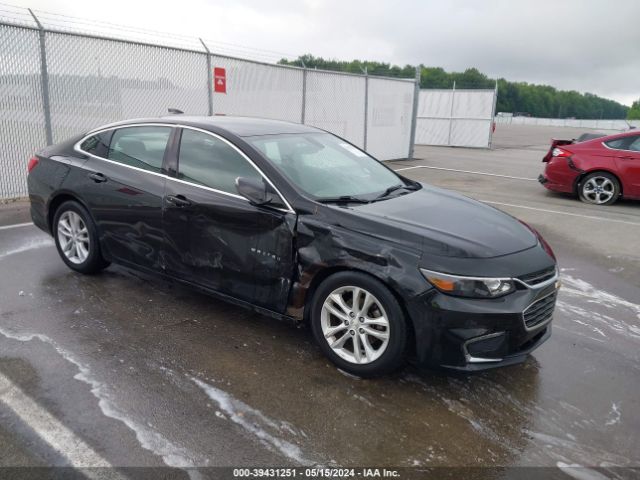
(377, 355)
(599, 188)
(76, 239)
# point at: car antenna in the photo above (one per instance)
(175, 111)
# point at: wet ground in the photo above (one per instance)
(125, 370)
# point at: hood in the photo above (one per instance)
(449, 224)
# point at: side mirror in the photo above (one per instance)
(254, 190)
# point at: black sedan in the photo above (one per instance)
(297, 223)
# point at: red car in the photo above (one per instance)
(599, 170)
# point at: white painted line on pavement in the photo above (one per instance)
(467, 171)
(149, 438)
(590, 217)
(253, 421)
(38, 243)
(17, 225)
(49, 428)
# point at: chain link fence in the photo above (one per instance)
(22, 125)
(597, 124)
(389, 117)
(259, 90)
(456, 118)
(95, 81)
(336, 103)
(56, 83)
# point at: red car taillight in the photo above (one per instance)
(33, 162)
(559, 152)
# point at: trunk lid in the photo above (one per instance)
(555, 143)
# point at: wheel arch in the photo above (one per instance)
(578, 181)
(329, 271)
(58, 199)
(96, 260)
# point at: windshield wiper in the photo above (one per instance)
(393, 188)
(342, 199)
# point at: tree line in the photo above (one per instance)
(514, 97)
(634, 111)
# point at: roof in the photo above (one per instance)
(626, 133)
(240, 126)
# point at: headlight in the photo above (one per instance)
(475, 287)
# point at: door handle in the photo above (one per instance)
(97, 177)
(178, 200)
(626, 157)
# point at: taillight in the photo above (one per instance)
(559, 152)
(33, 161)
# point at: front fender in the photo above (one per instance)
(322, 247)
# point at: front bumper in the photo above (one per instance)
(477, 334)
(518, 355)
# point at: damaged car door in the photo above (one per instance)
(215, 237)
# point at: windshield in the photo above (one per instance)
(325, 166)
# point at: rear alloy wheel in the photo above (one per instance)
(358, 324)
(76, 239)
(599, 188)
(73, 236)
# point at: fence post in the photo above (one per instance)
(493, 114)
(453, 96)
(414, 112)
(303, 115)
(46, 105)
(209, 77)
(366, 106)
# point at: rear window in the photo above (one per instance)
(97, 144)
(141, 147)
(631, 142)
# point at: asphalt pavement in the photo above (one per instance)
(124, 370)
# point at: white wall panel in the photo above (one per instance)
(461, 118)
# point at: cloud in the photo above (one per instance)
(570, 44)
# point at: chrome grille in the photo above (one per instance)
(540, 311)
(538, 277)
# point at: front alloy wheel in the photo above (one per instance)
(355, 324)
(358, 324)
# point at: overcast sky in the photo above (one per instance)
(585, 45)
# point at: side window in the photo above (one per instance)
(625, 143)
(97, 144)
(635, 145)
(141, 147)
(209, 161)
